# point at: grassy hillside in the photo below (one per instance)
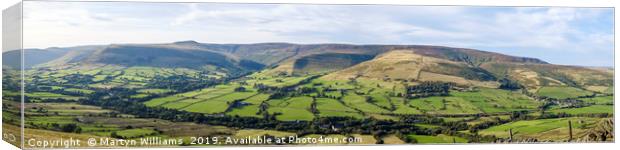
(535, 76)
(327, 62)
(407, 65)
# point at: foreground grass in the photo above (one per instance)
(543, 129)
(593, 109)
(441, 138)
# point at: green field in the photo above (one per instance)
(594, 109)
(252, 108)
(48, 95)
(217, 104)
(543, 129)
(601, 100)
(276, 81)
(482, 101)
(135, 133)
(93, 122)
(154, 91)
(80, 90)
(186, 99)
(257, 99)
(159, 101)
(245, 111)
(380, 99)
(332, 107)
(561, 92)
(441, 138)
(296, 108)
(359, 102)
(368, 96)
(402, 107)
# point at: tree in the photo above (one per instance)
(508, 84)
(115, 135)
(240, 89)
(72, 127)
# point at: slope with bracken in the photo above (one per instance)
(407, 65)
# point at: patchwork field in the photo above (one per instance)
(50, 120)
(389, 95)
(482, 101)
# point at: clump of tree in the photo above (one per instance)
(78, 79)
(429, 88)
(240, 89)
(508, 84)
(182, 83)
(70, 127)
(115, 135)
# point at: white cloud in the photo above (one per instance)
(519, 31)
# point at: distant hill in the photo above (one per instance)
(35, 57)
(128, 55)
(272, 53)
(168, 56)
(336, 61)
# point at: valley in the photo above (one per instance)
(378, 94)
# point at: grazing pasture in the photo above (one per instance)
(593, 109)
(296, 108)
(438, 139)
(331, 107)
(482, 101)
(359, 102)
(562, 92)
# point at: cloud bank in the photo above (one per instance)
(573, 36)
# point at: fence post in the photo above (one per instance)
(510, 132)
(570, 131)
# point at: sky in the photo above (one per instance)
(559, 35)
